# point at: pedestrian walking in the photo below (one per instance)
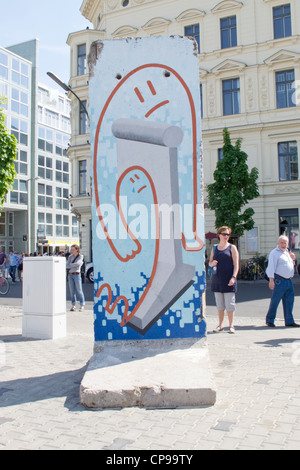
(280, 271)
(13, 263)
(224, 261)
(74, 264)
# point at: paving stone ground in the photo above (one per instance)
(257, 375)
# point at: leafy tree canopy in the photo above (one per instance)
(8, 155)
(234, 186)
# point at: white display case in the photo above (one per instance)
(44, 297)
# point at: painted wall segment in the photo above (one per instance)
(148, 223)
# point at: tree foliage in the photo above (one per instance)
(234, 186)
(8, 155)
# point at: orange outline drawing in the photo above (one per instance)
(111, 309)
(195, 185)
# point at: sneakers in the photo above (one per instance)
(73, 309)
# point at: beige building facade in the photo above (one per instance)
(249, 69)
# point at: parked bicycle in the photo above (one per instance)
(254, 269)
(4, 285)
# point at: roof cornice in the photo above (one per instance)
(86, 8)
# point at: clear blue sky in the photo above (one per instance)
(50, 22)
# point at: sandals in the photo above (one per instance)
(218, 329)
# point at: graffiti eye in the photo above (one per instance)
(167, 74)
(118, 76)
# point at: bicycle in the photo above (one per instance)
(4, 285)
(254, 269)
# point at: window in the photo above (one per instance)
(19, 102)
(45, 224)
(288, 161)
(193, 31)
(66, 124)
(289, 226)
(228, 32)
(45, 167)
(45, 198)
(18, 194)
(19, 129)
(61, 200)
(75, 227)
(231, 96)
(43, 95)
(58, 146)
(82, 177)
(61, 144)
(45, 139)
(252, 241)
(19, 74)
(3, 66)
(10, 224)
(81, 59)
(82, 118)
(62, 171)
(282, 21)
(21, 163)
(62, 225)
(2, 224)
(51, 118)
(285, 89)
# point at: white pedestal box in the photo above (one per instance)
(44, 297)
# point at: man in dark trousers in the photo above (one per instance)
(280, 271)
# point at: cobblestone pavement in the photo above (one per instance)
(257, 375)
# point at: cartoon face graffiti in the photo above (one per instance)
(146, 156)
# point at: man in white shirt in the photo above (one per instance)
(280, 272)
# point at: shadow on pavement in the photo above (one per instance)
(33, 389)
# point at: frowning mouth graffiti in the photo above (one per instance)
(154, 93)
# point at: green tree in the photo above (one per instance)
(234, 186)
(8, 155)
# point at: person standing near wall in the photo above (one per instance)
(224, 260)
(74, 264)
(280, 270)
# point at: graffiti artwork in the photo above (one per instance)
(148, 222)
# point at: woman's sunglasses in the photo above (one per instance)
(225, 234)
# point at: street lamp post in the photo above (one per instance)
(67, 88)
(29, 211)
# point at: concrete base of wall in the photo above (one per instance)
(155, 374)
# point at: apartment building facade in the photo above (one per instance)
(249, 65)
(36, 216)
(55, 222)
